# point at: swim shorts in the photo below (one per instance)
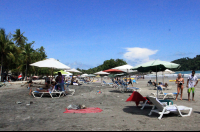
(189, 90)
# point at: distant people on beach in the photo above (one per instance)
(179, 82)
(47, 78)
(130, 81)
(192, 81)
(29, 86)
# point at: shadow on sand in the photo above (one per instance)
(135, 110)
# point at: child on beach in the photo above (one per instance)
(29, 86)
(191, 81)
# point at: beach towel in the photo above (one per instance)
(87, 110)
(136, 97)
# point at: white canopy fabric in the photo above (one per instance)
(125, 68)
(51, 63)
(73, 70)
(102, 73)
(84, 75)
(167, 71)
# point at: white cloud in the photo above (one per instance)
(80, 65)
(138, 55)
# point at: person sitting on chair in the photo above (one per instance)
(149, 82)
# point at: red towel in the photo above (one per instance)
(87, 110)
(137, 97)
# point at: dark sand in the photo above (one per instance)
(47, 113)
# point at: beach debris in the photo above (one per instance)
(76, 107)
(118, 96)
(31, 102)
(18, 102)
(28, 104)
(99, 91)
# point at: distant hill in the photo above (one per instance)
(188, 63)
(107, 64)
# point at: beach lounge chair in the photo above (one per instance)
(53, 93)
(163, 95)
(164, 109)
(107, 84)
(69, 91)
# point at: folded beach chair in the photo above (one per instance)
(163, 95)
(164, 109)
(53, 93)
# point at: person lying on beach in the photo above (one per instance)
(46, 88)
(29, 86)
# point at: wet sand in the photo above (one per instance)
(47, 113)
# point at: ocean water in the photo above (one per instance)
(186, 72)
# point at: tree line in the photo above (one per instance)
(17, 53)
(188, 64)
(107, 64)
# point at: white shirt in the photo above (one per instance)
(192, 81)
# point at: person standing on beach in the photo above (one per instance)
(179, 82)
(191, 84)
(60, 80)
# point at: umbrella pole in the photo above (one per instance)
(156, 81)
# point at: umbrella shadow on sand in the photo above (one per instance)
(118, 91)
(135, 110)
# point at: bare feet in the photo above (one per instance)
(180, 98)
(188, 99)
(192, 99)
(176, 99)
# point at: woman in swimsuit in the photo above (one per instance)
(179, 82)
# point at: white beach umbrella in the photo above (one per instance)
(126, 68)
(167, 71)
(101, 73)
(84, 75)
(74, 71)
(50, 63)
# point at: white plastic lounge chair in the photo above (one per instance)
(146, 104)
(52, 93)
(163, 95)
(164, 109)
(69, 91)
(134, 89)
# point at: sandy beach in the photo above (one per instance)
(47, 113)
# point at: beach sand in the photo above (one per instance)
(47, 113)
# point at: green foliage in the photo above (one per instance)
(107, 64)
(17, 56)
(188, 63)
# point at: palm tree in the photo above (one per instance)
(6, 48)
(19, 38)
(28, 55)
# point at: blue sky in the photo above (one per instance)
(84, 33)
